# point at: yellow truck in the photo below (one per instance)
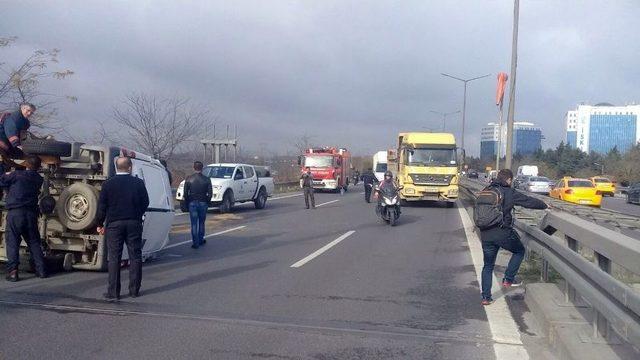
(427, 167)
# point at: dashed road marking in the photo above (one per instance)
(322, 249)
(328, 202)
(206, 237)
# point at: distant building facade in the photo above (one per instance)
(602, 127)
(527, 139)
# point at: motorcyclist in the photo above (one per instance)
(387, 185)
(356, 177)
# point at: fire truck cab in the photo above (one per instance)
(330, 167)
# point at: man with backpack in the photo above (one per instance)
(493, 215)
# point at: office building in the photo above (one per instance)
(527, 139)
(602, 126)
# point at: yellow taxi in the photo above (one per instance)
(604, 185)
(577, 191)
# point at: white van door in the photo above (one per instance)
(239, 186)
(251, 182)
(160, 214)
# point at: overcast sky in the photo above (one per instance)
(349, 73)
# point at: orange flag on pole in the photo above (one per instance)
(502, 84)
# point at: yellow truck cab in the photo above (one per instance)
(427, 167)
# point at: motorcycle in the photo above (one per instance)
(388, 208)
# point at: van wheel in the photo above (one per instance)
(261, 200)
(77, 206)
(227, 202)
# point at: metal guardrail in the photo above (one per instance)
(605, 217)
(560, 238)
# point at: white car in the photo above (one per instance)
(236, 183)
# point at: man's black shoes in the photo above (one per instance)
(13, 276)
(110, 297)
(134, 294)
(42, 275)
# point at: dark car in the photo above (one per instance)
(473, 174)
(633, 194)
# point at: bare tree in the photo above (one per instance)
(303, 142)
(21, 83)
(158, 126)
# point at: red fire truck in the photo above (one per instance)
(330, 167)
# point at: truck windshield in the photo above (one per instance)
(318, 161)
(381, 167)
(218, 172)
(431, 157)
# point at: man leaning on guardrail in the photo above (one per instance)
(493, 214)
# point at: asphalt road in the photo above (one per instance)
(620, 204)
(407, 292)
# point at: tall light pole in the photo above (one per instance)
(512, 84)
(464, 101)
(444, 116)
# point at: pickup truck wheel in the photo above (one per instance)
(46, 147)
(227, 202)
(261, 200)
(77, 206)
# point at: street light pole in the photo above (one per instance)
(464, 101)
(512, 85)
(444, 116)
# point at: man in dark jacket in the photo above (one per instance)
(22, 216)
(197, 195)
(123, 201)
(504, 236)
(306, 183)
(369, 179)
(12, 125)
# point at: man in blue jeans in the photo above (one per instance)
(197, 193)
(503, 235)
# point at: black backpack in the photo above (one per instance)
(488, 208)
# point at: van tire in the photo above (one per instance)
(261, 200)
(227, 202)
(46, 147)
(77, 207)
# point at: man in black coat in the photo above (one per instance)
(504, 236)
(197, 195)
(306, 183)
(369, 179)
(22, 216)
(123, 201)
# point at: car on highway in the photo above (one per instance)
(520, 181)
(577, 191)
(606, 186)
(235, 183)
(633, 194)
(537, 185)
(473, 174)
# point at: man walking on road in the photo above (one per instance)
(197, 194)
(369, 179)
(22, 216)
(123, 201)
(306, 183)
(503, 235)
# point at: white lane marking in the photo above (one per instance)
(273, 198)
(206, 237)
(322, 249)
(504, 330)
(285, 196)
(326, 203)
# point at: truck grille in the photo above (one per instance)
(430, 179)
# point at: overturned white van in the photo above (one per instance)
(74, 174)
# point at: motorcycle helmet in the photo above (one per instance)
(388, 174)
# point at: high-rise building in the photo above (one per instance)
(602, 126)
(527, 139)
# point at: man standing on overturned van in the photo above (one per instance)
(123, 201)
(197, 195)
(503, 235)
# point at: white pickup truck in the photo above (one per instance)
(236, 183)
